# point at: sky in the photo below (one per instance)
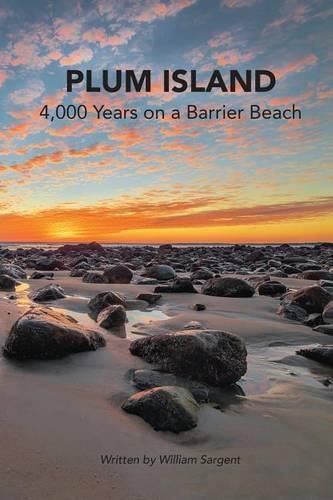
(152, 181)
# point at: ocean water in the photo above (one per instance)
(54, 246)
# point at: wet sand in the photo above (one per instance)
(59, 417)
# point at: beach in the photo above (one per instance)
(270, 440)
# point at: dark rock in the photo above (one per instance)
(49, 264)
(7, 283)
(209, 356)
(312, 298)
(327, 329)
(198, 307)
(161, 272)
(151, 298)
(317, 275)
(313, 320)
(42, 333)
(271, 288)
(181, 285)
(104, 299)
(93, 277)
(112, 316)
(37, 275)
(168, 408)
(47, 293)
(328, 313)
(118, 274)
(322, 354)
(292, 312)
(13, 271)
(202, 274)
(227, 287)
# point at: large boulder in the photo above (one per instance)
(271, 288)
(161, 272)
(48, 293)
(210, 356)
(112, 316)
(7, 283)
(42, 333)
(312, 299)
(227, 287)
(13, 270)
(103, 300)
(49, 264)
(321, 353)
(317, 275)
(118, 274)
(167, 408)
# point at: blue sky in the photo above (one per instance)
(155, 181)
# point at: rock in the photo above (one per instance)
(7, 283)
(147, 281)
(198, 307)
(37, 275)
(112, 316)
(328, 313)
(327, 329)
(77, 272)
(227, 287)
(313, 320)
(48, 264)
(13, 271)
(165, 248)
(93, 277)
(168, 408)
(181, 285)
(271, 288)
(202, 274)
(210, 356)
(292, 312)
(322, 354)
(42, 333)
(151, 298)
(193, 325)
(317, 275)
(47, 293)
(161, 272)
(118, 274)
(312, 298)
(104, 299)
(132, 305)
(147, 379)
(326, 283)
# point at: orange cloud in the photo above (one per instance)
(154, 9)
(296, 66)
(99, 35)
(78, 56)
(232, 57)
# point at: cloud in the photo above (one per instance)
(293, 12)
(99, 35)
(236, 4)
(3, 77)
(296, 66)
(33, 90)
(78, 56)
(232, 57)
(152, 10)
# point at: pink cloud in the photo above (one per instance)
(3, 77)
(78, 56)
(155, 9)
(99, 35)
(235, 4)
(296, 66)
(232, 57)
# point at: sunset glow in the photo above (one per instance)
(146, 181)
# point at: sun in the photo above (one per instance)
(63, 231)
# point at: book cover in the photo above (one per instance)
(166, 251)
